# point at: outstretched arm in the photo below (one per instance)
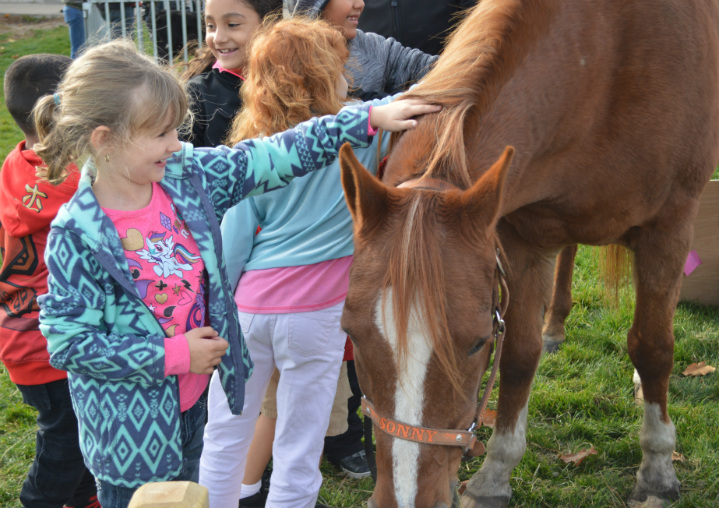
(399, 115)
(255, 166)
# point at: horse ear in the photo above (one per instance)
(365, 195)
(484, 198)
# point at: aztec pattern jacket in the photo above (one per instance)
(102, 333)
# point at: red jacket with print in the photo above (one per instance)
(27, 206)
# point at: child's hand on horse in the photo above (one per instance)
(398, 115)
(205, 354)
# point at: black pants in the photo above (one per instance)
(344, 445)
(58, 475)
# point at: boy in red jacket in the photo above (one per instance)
(58, 477)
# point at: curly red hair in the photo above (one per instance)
(293, 69)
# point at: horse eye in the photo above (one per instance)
(478, 345)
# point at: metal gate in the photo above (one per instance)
(166, 26)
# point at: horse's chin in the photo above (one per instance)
(455, 500)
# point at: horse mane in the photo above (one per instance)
(470, 74)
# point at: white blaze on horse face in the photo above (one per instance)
(409, 395)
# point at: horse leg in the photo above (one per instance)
(530, 276)
(657, 269)
(561, 303)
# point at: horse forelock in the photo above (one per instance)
(417, 279)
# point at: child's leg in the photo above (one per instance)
(338, 415)
(114, 496)
(346, 450)
(258, 459)
(58, 474)
(192, 427)
(261, 448)
(308, 354)
(227, 436)
(85, 493)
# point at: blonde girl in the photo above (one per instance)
(138, 309)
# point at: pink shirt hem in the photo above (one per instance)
(295, 288)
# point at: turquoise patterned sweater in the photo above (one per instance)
(112, 345)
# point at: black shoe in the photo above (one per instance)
(255, 500)
(355, 465)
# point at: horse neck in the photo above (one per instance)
(481, 56)
(487, 48)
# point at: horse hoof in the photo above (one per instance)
(552, 346)
(485, 502)
(643, 496)
(651, 502)
(455, 493)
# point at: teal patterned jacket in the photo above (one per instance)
(101, 332)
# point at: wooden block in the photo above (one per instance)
(170, 495)
(702, 285)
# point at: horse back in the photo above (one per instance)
(613, 109)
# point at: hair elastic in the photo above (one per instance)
(56, 96)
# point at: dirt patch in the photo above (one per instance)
(20, 27)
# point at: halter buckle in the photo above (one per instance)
(498, 323)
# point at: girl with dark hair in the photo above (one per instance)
(215, 75)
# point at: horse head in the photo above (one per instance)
(422, 313)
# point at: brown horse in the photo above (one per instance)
(612, 110)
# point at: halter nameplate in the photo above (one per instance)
(464, 438)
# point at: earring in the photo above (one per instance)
(107, 157)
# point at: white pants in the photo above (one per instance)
(307, 349)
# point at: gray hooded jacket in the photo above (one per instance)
(379, 66)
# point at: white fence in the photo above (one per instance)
(167, 25)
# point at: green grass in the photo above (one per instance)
(582, 395)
